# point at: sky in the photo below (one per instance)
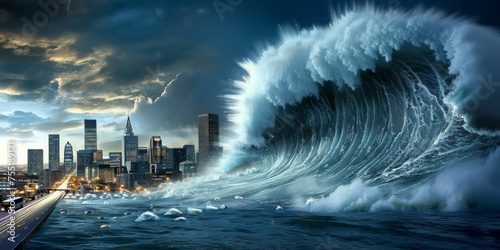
(160, 62)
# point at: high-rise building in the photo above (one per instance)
(142, 155)
(169, 155)
(90, 134)
(84, 158)
(188, 169)
(54, 155)
(35, 161)
(164, 154)
(178, 155)
(155, 150)
(106, 173)
(115, 159)
(208, 141)
(190, 154)
(92, 171)
(97, 155)
(130, 144)
(51, 176)
(68, 157)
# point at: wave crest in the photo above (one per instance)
(357, 42)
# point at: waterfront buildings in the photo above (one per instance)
(161, 162)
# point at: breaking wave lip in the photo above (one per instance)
(369, 111)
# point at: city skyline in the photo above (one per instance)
(105, 154)
(108, 140)
(80, 140)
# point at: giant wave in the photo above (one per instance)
(381, 110)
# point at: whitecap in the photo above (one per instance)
(173, 211)
(146, 216)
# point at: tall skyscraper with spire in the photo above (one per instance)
(130, 144)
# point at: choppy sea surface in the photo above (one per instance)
(256, 224)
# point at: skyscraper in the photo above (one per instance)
(54, 154)
(164, 154)
(68, 157)
(168, 155)
(178, 155)
(115, 159)
(208, 141)
(35, 161)
(97, 155)
(130, 144)
(90, 134)
(84, 158)
(143, 154)
(155, 150)
(190, 153)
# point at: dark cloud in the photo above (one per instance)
(188, 95)
(127, 49)
(49, 92)
(105, 47)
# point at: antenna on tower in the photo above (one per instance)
(128, 128)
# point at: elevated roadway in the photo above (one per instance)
(18, 227)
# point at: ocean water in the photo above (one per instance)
(248, 224)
